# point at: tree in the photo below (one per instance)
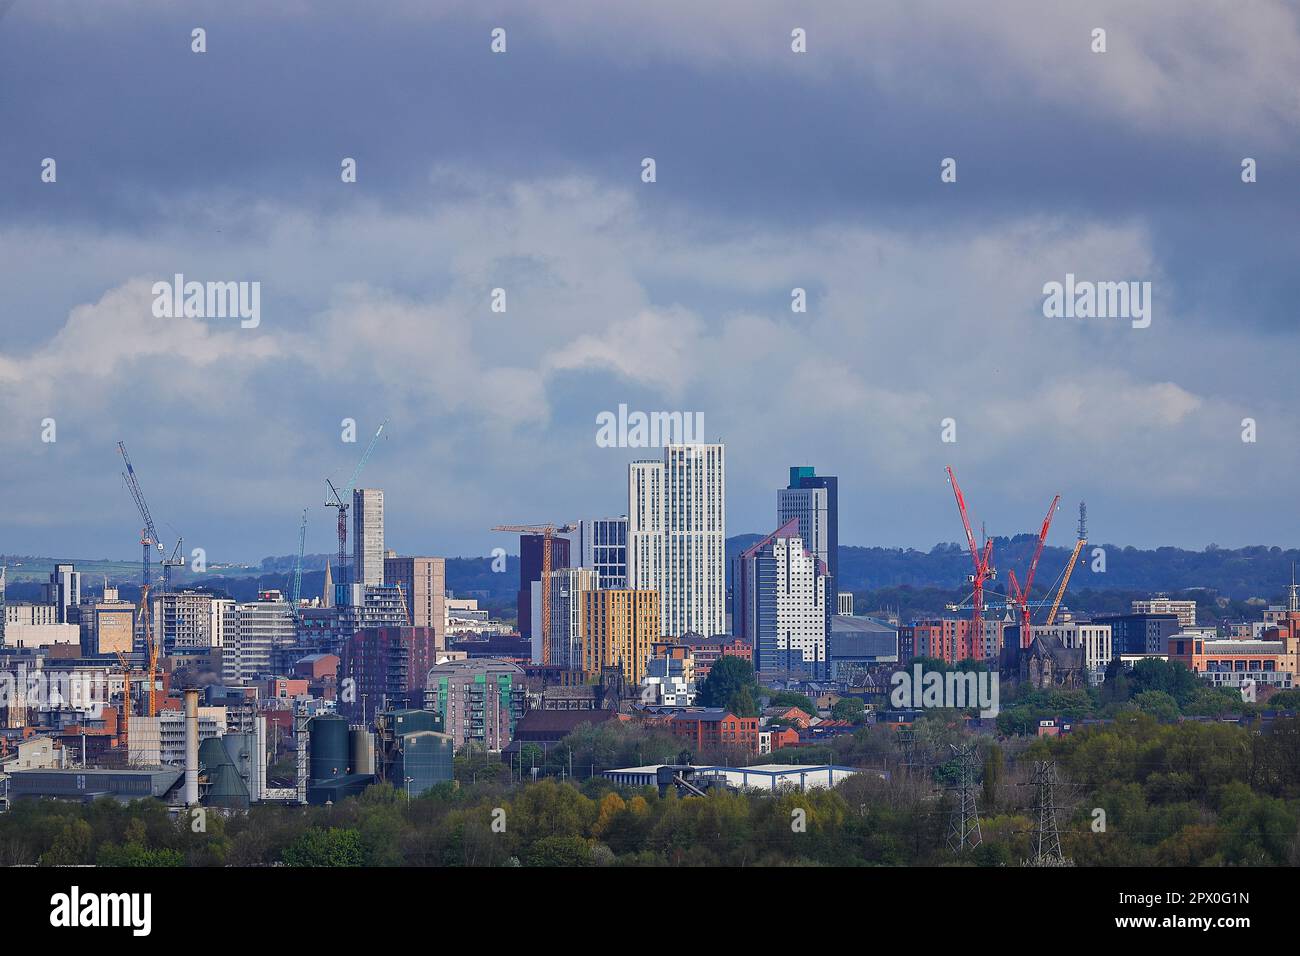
(742, 703)
(332, 847)
(788, 698)
(558, 851)
(850, 709)
(1158, 704)
(727, 677)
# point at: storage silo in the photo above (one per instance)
(328, 735)
(362, 751)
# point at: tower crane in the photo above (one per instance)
(548, 532)
(981, 559)
(148, 534)
(296, 592)
(342, 501)
(124, 733)
(1021, 597)
(1079, 542)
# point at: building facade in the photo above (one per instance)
(368, 536)
(619, 630)
(1140, 633)
(1094, 639)
(602, 545)
(184, 619)
(677, 536)
(107, 625)
(779, 604)
(423, 582)
(568, 624)
(1186, 610)
(388, 667)
(254, 631)
(814, 500)
(64, 592)
(479, 701)
(531, 560)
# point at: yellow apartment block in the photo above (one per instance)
(619, 628)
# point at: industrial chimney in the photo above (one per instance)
(191, 746)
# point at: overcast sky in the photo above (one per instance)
(522, 171)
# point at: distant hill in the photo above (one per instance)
(1238, 574)
(1242, 573)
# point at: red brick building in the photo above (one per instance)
(714, 729)
(389, 666)
(707, 650)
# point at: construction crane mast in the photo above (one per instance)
(296, 593)
(548, 532)
(1079, 542)
(148, 534)
(1021, 597)
(980, 559)
(343, 501)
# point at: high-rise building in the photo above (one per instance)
(254, 632)
(567, 622)
(645, 524)
(677, 534)
(602, 545)
(64, 592)
(619, 630)
(370, 607)
(367, 536)
(217, 620)
(779, 603)
(184, 619)
(845, 599)
(531, 548)
(389, 666)
(424, 588)
(814, 500)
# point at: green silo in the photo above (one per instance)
(226, 786)
(328, 743)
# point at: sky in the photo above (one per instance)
(522, 171)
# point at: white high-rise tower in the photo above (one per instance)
(677, 536)
(368, 536)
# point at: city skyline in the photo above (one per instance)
(924, 298)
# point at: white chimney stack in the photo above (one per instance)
(191, 746)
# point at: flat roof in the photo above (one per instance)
(764, 768)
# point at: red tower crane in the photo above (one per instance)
(983, 571)
(1021, 598)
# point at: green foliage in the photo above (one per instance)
(1182, 794)
(1284, 700)
(1157, 703)
(789, 698)
(728, 676)
(333, 847)
(849, 708)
